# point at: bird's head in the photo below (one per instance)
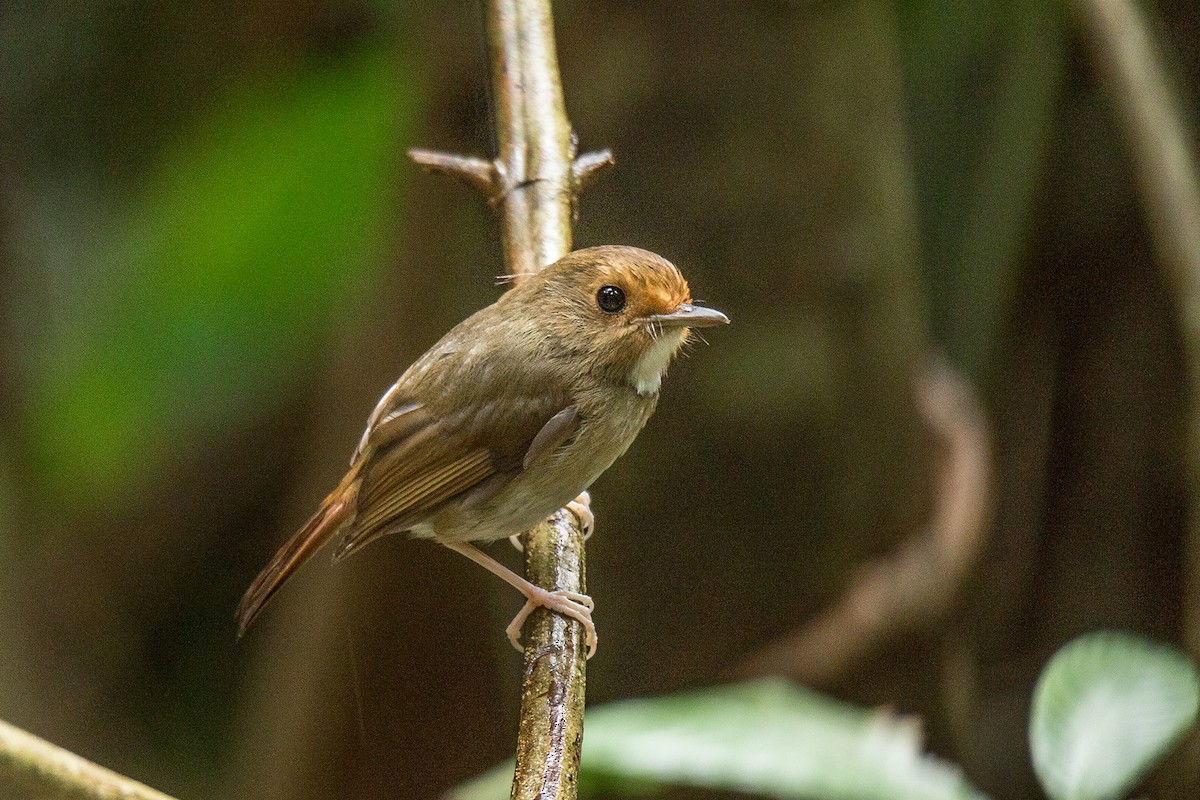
(625, 310)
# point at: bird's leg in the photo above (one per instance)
(570, 604)
(581, 507)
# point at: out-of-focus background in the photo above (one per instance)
(214, 257)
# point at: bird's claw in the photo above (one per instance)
(573, 605)
(581, 507)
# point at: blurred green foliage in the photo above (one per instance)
(766, 738)
(1106, 709)
(254, 232)
(1108, 706)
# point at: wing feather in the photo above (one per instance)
(396, 426)
(412, 499)
(557, 430)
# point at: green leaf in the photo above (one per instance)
(1106, 707)
(251, 234)
(767, 737)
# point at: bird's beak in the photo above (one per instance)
(690, 316)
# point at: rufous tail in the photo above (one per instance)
(338, 508)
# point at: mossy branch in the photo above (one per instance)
(33, 768)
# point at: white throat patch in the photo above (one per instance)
(646, 375)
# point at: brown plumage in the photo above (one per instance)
(516, 411)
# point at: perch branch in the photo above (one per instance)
(919, 581)
(1160, 146)
(34, 768)
(533, 184)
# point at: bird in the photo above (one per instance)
(507, 418)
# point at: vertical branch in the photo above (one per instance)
(1160, 146)
(550, 733)
(533, 184)
(536, 198)
(534, 137)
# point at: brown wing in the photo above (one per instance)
(416, 455)
(398, 495)
(405, 480)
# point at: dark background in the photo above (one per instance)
(214, 257)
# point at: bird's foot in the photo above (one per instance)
(570, 604)
(581, 507)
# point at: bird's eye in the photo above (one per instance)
(610, 299)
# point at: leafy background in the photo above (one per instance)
(215, 257)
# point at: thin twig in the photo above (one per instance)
(533, 183)
(916, 584)
(588, 166)
(472, 171)
(34, 768)
(1160, 145)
